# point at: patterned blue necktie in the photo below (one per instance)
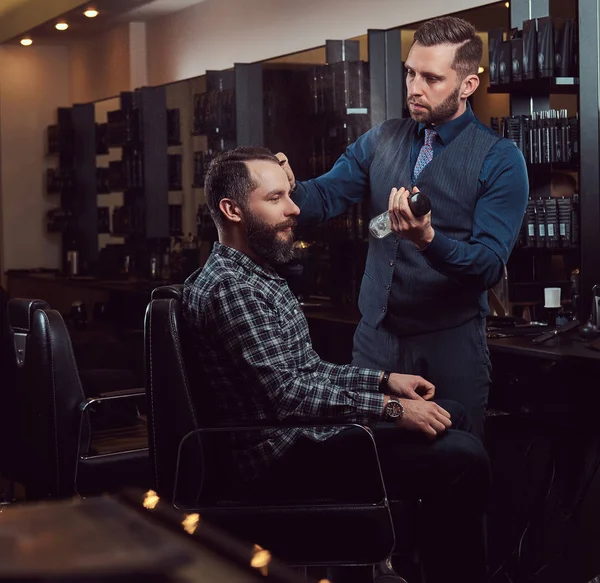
(426, 153)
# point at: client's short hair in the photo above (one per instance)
(228, 176)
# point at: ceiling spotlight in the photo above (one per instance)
(26, 41)
(91, 13)
(61, 26)
(480, 70)
(507, 4)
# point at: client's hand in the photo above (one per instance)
(410, 386)
(425, 417)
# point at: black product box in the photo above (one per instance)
(495, 37)
(565, 48)
(564, 221)
(504, 62)
(545, 37)
(530, 224)
(514, 130)
(516, 45)
(552, 228)
(173, 127)
(103, 219)
(540, 223)
(530, 56)
(174, 171)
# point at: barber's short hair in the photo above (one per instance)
(228, 176)
(451, 30)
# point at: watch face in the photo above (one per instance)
(394, 409)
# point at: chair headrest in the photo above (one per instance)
(20, 313)
(168, 292)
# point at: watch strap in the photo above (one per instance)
(384, 382)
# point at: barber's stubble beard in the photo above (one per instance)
(440, 114)
(265, 239)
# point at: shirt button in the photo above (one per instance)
(391, 264)
(295, 311)
(388, 286)
(383, 309)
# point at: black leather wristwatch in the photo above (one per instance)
(383, 383)
(393, 410)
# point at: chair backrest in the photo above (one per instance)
(171, 407)
(7, 361)
(20, 316)
(54, 395)
(15, 437)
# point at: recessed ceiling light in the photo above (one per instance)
(91, 13)
(26, 41)
(481, 70)
(61, 26)
(507, 4)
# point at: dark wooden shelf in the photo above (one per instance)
(542, 86)
(554, 166)
(545, 249)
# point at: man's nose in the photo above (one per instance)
(293, 209)
(415, 87)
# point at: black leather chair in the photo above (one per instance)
(15, 443)
(184, 453)
(65, 454)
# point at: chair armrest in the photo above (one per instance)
(113, 396)
(83, 407)
(377, 474)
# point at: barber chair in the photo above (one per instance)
(15, 441)
(66, 446)
(185, 459)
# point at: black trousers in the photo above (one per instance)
(455, 360)
(450, 474)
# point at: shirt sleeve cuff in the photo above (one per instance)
(369, 379)
(440, 247)
(369, 406)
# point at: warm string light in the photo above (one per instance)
(190, 523)
(151, 500)
(260, 560)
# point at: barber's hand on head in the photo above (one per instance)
(410, 386)
(418, 230)
(285, 164)
(424, 417)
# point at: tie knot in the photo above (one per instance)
(430, 135)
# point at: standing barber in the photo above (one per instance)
(423, 295)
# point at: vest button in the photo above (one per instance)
(388, 286)
(383, 309)
(391, 264)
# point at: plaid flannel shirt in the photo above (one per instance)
(255, 353)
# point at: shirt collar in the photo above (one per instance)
(245, 262)
(451, 129)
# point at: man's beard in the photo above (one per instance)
(437, 115)
(264, 239)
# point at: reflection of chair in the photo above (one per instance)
(65, 454)
(300, 532)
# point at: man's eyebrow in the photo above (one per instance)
(426, 73)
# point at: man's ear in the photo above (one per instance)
(469, 86)
(231, 210)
